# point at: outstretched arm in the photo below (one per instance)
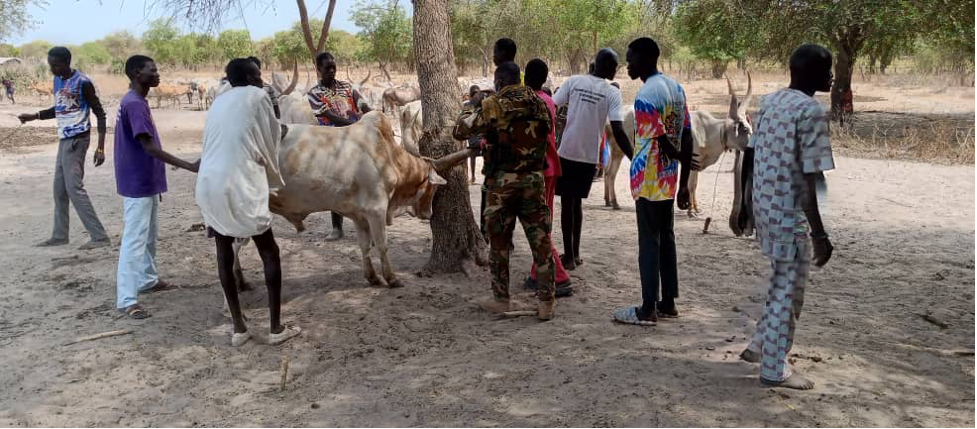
(149, 145)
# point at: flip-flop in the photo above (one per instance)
(629, 316)
(160, 286)
(288, 333)
(135, 311)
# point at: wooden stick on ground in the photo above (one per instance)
(519, 313)
(98, 336)
(284, 372)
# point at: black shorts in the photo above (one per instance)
(576, 180)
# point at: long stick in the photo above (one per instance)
(98, 336)
(284, 372)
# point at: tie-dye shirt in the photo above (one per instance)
(659, 109)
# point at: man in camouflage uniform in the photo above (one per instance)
(515, 123)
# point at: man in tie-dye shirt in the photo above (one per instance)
(662, 139)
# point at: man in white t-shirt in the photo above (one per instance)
(592, 101)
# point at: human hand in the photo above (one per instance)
(195, 167)
(99, 158)
(26, 117)
(683, 198)
(822, 248)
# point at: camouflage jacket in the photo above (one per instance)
(515, 123)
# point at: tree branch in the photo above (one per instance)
(324, 34)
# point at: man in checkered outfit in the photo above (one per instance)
(791, 151)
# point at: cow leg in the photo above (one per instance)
(693, 210)
(239, 280)
(378, 231)
(363, 237)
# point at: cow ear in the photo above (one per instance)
(435, 178)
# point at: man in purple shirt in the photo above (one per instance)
(140, 179)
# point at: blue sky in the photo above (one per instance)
(71, 22)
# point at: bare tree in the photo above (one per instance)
(210, 13)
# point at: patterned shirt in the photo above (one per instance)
(337, 99)
(75, 100)
(791, 140)
(659, 109)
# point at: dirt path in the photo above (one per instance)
(424, 355)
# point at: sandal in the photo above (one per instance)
(160, 286)
(135, 311)
(629, 316)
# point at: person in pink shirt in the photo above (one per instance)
(536, 73)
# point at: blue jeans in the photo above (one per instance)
(137, 252)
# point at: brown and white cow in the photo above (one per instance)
(397, 97)
(360, 172)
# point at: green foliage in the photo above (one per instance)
(36, 49)
(121, 45)
(234, 44)
(159, 40)
(14, 18)
(89, 55)
(387, 30)
(714, 30)
(8, 50)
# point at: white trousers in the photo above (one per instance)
(137, 253)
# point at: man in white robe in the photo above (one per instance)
(238, 169)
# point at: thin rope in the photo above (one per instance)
(715, 184)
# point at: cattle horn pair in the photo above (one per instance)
(450, 160)
(737, 110)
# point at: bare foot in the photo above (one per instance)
(750, 356)
(795, 381)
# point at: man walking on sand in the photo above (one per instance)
(791, 152)
(74, 101)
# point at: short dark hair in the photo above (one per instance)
(237, 71)
(255, 60)
(60, 52)
(472, 90)
(806, 57)
(323, 57)
(646, 48)
(136, 63)
(508, 73)
(536, 73)
(507, 46)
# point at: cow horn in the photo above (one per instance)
(733, 102)
(295, 80)
(450, 160)
(749, 92)
(368, 72)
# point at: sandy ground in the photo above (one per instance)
(424, 355)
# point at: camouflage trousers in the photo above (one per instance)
(512, 196)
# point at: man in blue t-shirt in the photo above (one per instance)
(140, 179)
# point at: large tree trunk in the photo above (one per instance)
(847, 43)
(718, 68)
(457, 240)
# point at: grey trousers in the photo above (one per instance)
(69, 173)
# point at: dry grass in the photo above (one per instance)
(949, 141)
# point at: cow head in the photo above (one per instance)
(423, 201)
(738, 128)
